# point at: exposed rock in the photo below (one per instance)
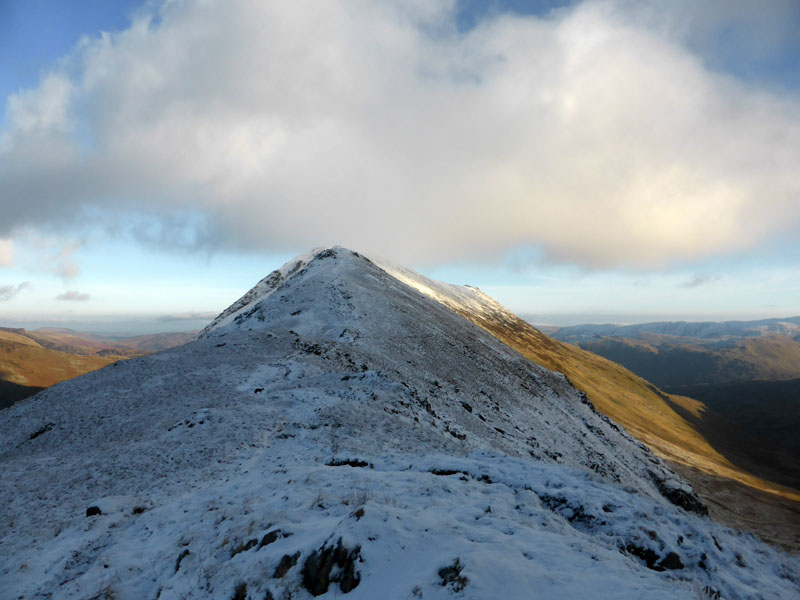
(451, 575)
(286, 563)
(318, 572)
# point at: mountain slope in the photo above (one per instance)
(338, 432)
(667, 423)
(32, 360)
(769, 410)
(751, 382)
(669, 362)
(26, 367)
(76, 342)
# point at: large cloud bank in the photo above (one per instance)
(282, 125)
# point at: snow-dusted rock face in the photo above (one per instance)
(336, 431)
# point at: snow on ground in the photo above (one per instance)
(456, 297)
(339, 432)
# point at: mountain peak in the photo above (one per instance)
(274, 280)
(343, 428)
(342, 264)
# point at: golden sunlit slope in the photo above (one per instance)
(17, 336)
(77, 342)
(25, 363)
(32, 360)
(679, 429)
(66, 340)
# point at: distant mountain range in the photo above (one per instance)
(746, 371)
(670, 361)
(33, 360)
(702, 330)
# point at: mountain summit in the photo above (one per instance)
(338, 431)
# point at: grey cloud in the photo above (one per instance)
(697, 281)
(7, 292)
(73, 296)
(190, 316)
(281, 126)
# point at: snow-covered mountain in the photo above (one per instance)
(342, 430)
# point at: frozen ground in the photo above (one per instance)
(336, 431)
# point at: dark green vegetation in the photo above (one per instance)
(330, 564)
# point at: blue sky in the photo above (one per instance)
(35, 34)
(579, 161)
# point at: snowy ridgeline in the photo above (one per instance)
(338, 432)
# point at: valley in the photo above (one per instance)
(745, 372)
(33, 360)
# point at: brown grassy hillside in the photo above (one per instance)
(27, 364)
(669, 361)
(33, 360)
(677, 428)
(76, 342)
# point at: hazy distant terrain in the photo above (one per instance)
(33, 360)
(747, 371)
(670, 362)
(702, 330)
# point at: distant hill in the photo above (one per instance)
(33, 360)
(702, 330)
(77, 342)
(746, 371)
(671, 362)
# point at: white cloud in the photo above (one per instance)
(377, 125)
(42, 109)
(74, 296)
(6, 253)
(55, 254)
(64, 264)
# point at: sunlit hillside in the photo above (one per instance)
(721, 460)
(33, 360)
